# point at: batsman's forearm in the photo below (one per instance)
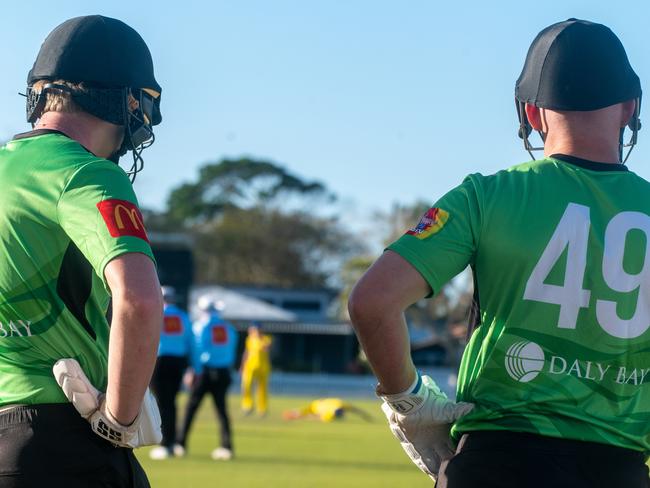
(385, 340)
(133, 345)
(376, 307)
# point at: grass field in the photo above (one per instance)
(271, 452)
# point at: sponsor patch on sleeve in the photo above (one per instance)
(172, 325)
(219, 335)
(122, 218)
(431, 222)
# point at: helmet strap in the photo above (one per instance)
(525, 129)
(635, 127)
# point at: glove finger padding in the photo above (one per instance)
(441, 442)
(76, 386)
(150, 423)
(424, 457)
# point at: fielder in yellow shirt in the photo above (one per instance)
(326, 409)
(256, 368)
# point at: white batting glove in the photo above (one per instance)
(145, 430)
(420, 418)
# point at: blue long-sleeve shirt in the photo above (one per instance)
(215, 343)
(176, 336)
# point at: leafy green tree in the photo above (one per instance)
(253, 222)
(238, 183)
(269, 247)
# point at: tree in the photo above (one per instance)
(269, 247)
(253, 223)
(240, 183)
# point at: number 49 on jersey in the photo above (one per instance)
(572, 232)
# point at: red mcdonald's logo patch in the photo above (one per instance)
(172, 325)
(122, 218)
(219, 335)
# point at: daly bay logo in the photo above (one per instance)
(524, 361)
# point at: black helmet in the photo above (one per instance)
(111, 62)
(576, 65)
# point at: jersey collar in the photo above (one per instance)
(587, 164)
(35, 133)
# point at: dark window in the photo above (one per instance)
(301, 305)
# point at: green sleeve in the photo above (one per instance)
(98, 210)
(445, 240)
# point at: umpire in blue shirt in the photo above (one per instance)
(173, 353)
(213, 356)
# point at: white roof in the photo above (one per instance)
(238, 306)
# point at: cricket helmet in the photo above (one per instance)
(112, 63)
(576, 65)
(207, 303)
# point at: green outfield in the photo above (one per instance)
(271, 452)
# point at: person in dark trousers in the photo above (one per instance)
(213, 356)
(173, 352)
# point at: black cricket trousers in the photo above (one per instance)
(52, 446)
(503, 459)
(215, 381)
(166, 383)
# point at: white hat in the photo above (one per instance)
(207, 303)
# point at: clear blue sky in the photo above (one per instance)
(382, 101)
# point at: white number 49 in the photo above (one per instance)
(573, 232)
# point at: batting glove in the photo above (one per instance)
(145, 430)
(420, 418)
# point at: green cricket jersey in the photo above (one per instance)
(64, 214)
(561, 258)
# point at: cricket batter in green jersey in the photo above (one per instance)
(554, 385)
(73, 392)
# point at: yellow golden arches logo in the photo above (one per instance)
(131, 213)
(122, 218)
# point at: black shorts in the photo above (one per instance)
(53, 446)
(502, 459)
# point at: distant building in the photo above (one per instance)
(238, 306)
(308, 304)
(304, 338)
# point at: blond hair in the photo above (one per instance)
(58, 100)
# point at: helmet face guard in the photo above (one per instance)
(138, 133)
(576, 65)
(141, 119)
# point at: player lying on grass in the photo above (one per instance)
(326, 409)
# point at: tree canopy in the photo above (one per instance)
(237, 184)
(246, 231)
